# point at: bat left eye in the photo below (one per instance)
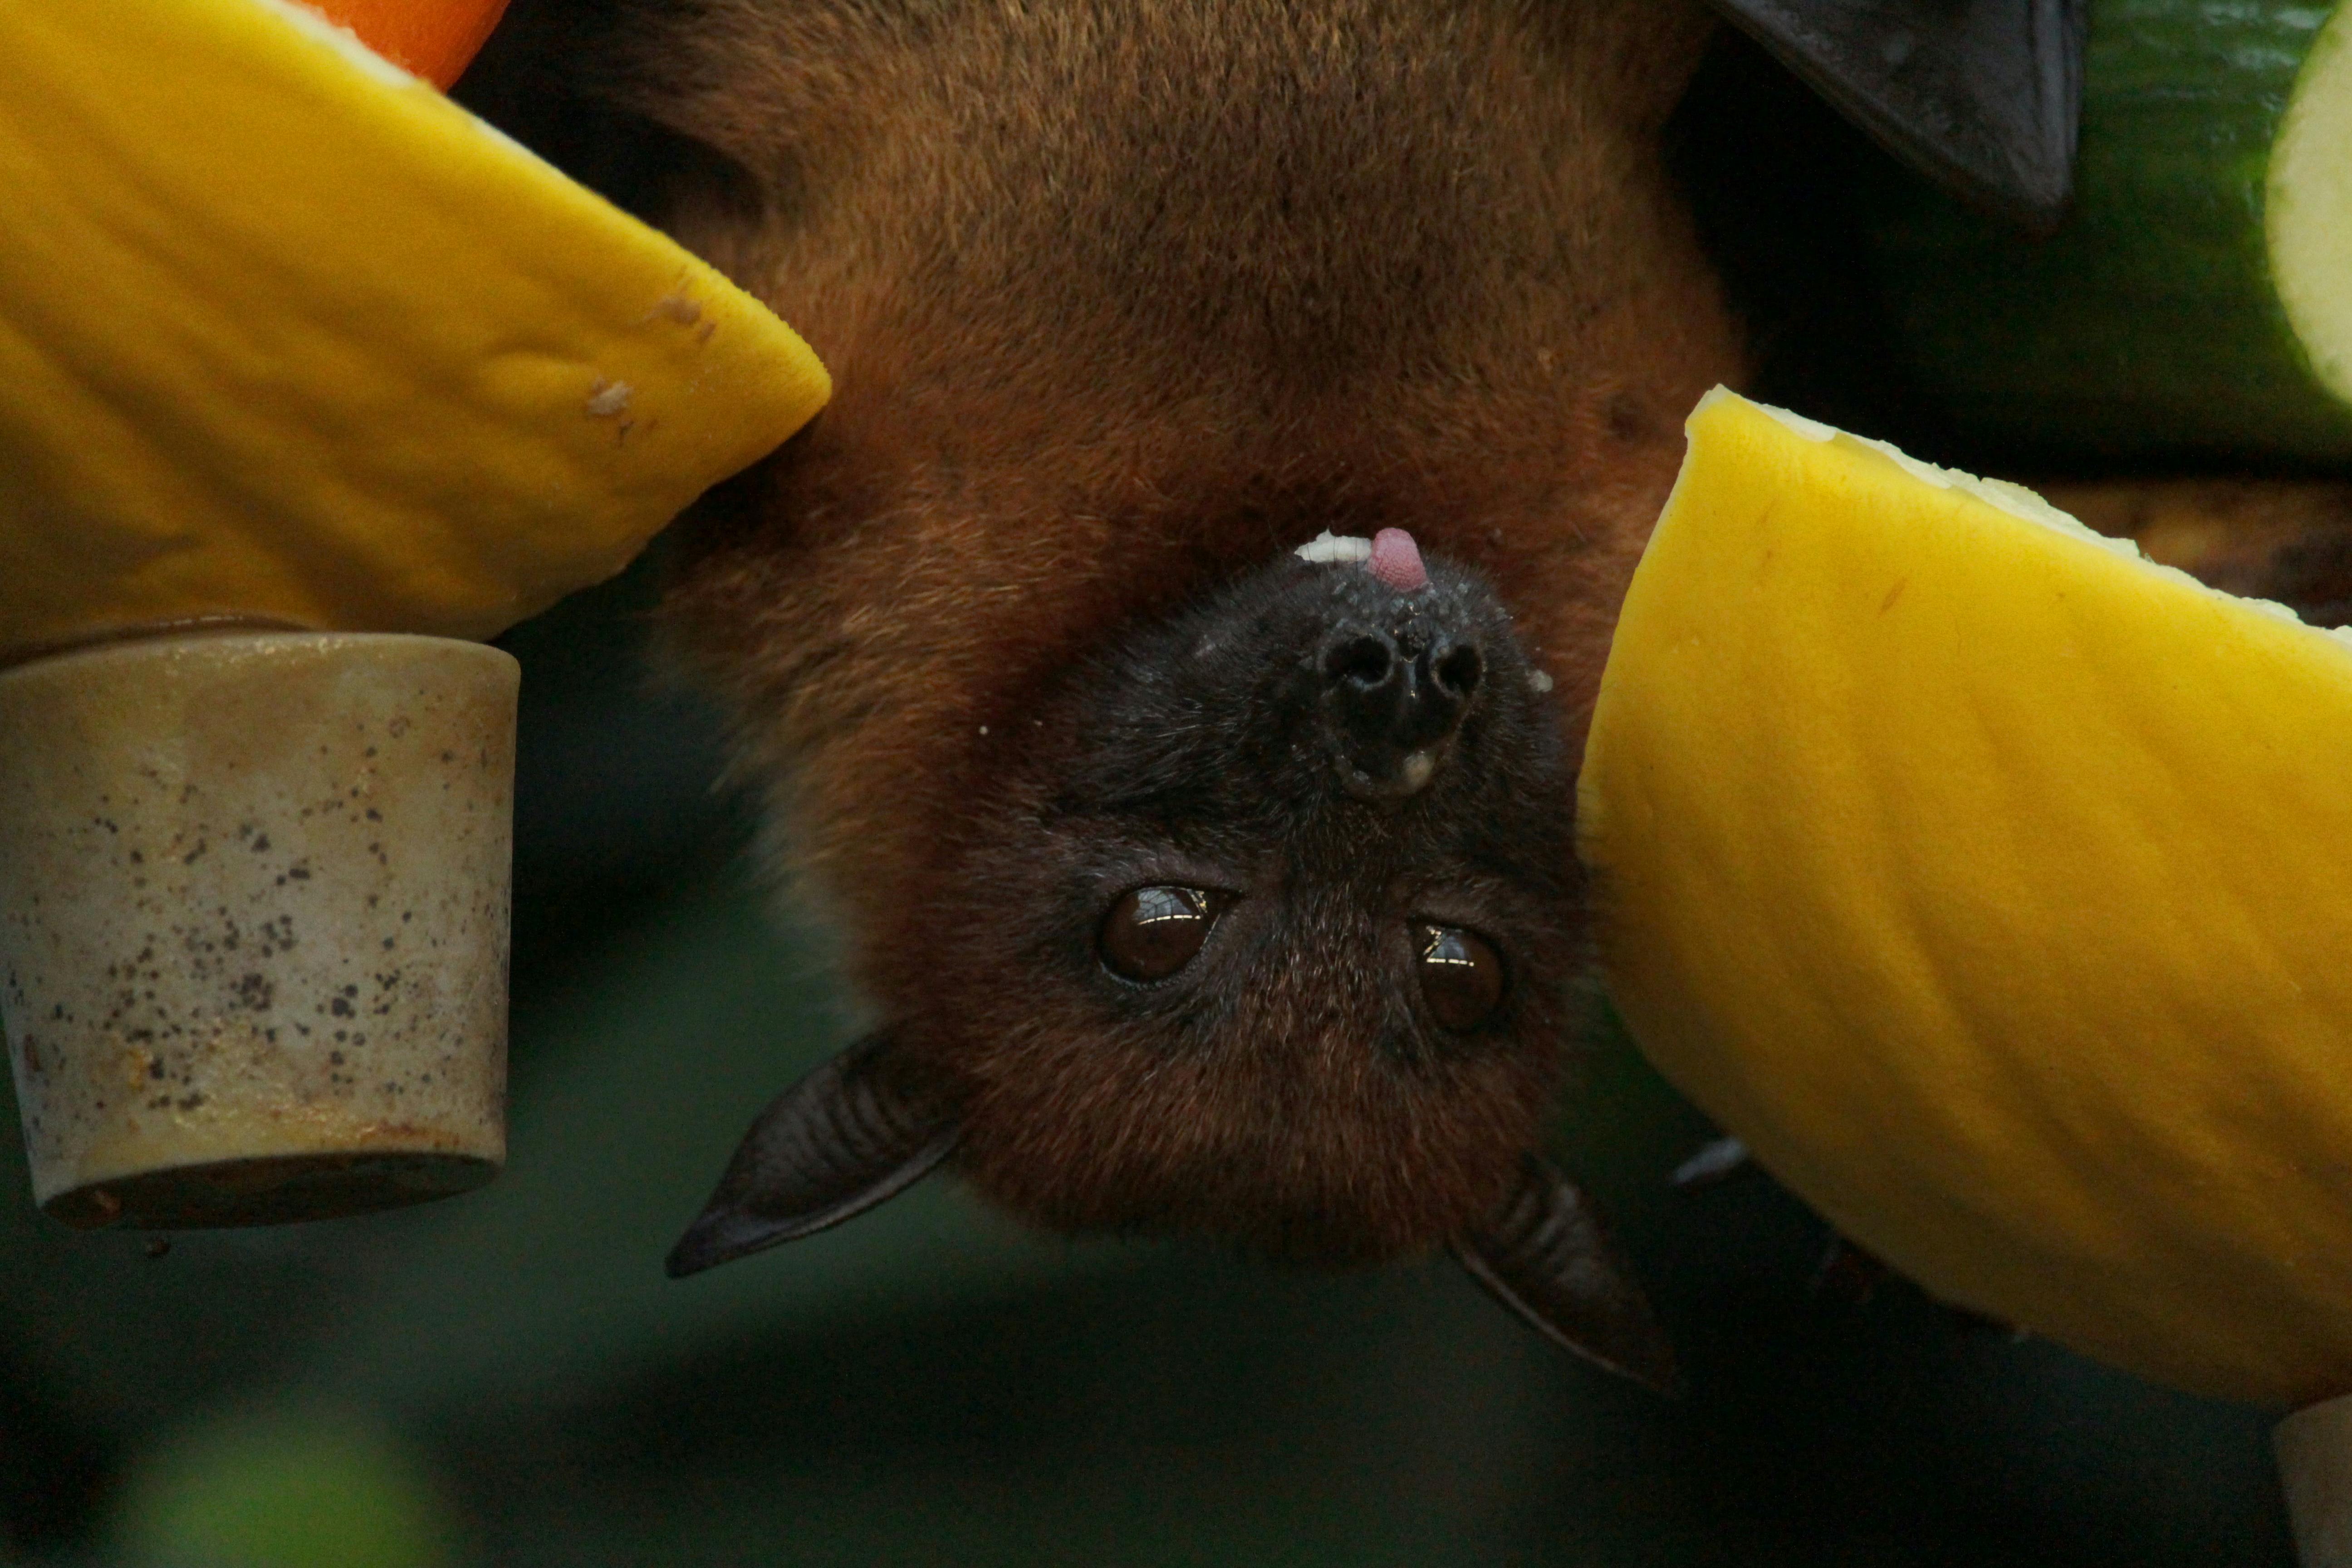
(1152, 932)
(1460, 975)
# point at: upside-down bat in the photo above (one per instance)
(1199, 886)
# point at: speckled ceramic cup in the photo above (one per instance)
(254, 923)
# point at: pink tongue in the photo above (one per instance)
(1396, 561)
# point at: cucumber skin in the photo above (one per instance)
(2147, 330)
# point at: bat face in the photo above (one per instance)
(1268, 934)
(1263, 925)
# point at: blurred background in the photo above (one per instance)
(507, 1378)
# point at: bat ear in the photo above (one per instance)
(1547, 1257)
(1983, 96)
(850, 1135)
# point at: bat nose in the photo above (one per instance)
(1390, 708)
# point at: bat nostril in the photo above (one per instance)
(1458, 671)
(1364, 661)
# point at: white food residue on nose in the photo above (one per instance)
(1328, 548)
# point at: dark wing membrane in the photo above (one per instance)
(848, 1137)
(1984, 96)
(1548, 1258)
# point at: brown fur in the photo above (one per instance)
(1123, 298)
(1355, 305)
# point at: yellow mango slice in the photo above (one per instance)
(287, 336)
(1996, 886)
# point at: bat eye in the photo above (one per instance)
(1152, 932)
(1460, 975)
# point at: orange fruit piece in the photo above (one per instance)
(436, 39)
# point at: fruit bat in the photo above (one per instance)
(1202, 883)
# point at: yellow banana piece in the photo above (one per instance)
(287, 336)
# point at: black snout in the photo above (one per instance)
(1391, 704)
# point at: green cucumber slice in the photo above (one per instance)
(2307, 214)
(2197, 305)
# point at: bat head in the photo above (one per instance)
(1191, 898)
(1270, 942)
(1266, 931)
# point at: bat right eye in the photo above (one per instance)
(1152, 932)
(1462, 977)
